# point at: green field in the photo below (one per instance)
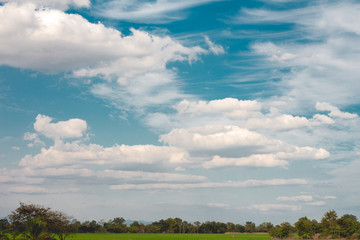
(150, 236)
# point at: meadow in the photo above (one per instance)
(154, 236)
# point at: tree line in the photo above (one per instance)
(34, 222)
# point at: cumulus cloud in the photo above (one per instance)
(235, 146)
(286, 122)
(73, 128)
(230, 107)
(256, 160)
(218, 137)
(69, 154)
(133, 67)
(34, 138)
(334, 111)
(252, 114)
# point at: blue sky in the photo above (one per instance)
(203, 110)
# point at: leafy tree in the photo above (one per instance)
(197, 226)
(265, 227)
(35, 222)
(329, 224)
(115, 225)
(250, 227)
(348, 225)
(305, 228)
(60, 225)
(281, 231)
(4, 225)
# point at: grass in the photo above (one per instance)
(154, 236)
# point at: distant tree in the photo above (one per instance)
(134, 227)
(250, 227)
(230, 227)
(4, 228)
(281, 231)
(348, 225)
(35, 222)
(60, 225)
(197, 226)
(264, 227)
(115, 225)
(239, 228)
(305, 228)
(329, 224)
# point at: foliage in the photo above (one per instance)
(281, 231)
(305, 228)
(169, 236)
(348, 225)
(34, 222)
(329, 224)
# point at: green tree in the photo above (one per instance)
(4, 228)
(281, 231)
(250, 227)
(265, 227)
(35, 222)
(115, 225)
(329, 224)
(348, 225)
(61, 225)
(305, 228)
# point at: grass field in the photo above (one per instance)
(150, 236)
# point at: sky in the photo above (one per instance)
(219, 110)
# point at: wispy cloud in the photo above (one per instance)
(245, 184)
(274, 207)
(322, 53)
(160, 11)
(58, 4)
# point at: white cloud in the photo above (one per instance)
(317, 203)
(159, 11)
(286, 122)
(34, 138)
(300, 198)
(133, 67)
(274, 207)
(73, 128)
(231, 111)
(16, 148)
(17, 176)
(304, 153)
(218, 205)
(334, 111)
(58, 4)
(218, 137)
(235, 146)
(256, 160)
(322, 51)
(230, 107)
(27, 190)
(215, 49)
(244, 184)
(76, 154)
